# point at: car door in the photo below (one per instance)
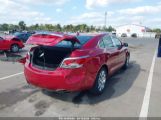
(112, 53)
(121, 51)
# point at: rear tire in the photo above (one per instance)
(126, 65)
(15, 48)
(100, 82)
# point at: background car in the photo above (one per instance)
(74, 63)
(11, 43)
(23, 36)
(134, 35)
(124, 35)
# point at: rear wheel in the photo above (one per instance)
(15, 48)
(100, 82)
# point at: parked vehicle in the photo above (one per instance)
(74, 63)
(22, 35)
(134, 35)
(10, 43)
(123, 35)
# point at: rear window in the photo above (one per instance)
(67, 43)
(84, 39)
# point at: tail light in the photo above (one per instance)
(28, 57)
(77, 62)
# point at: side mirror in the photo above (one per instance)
(125, 44)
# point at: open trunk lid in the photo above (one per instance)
(50, 39)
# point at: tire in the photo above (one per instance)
(126, 65)
(100, 82)
(15, 48)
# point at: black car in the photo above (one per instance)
(22, 36)
(134, 35)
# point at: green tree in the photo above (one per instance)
(22, 25)
(5, 27)
(58, 28)
(157, 30)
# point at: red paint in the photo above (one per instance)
(91, 57)
(7, 42)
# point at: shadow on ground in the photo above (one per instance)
(116, 86)
(8, 98)
(11, 57)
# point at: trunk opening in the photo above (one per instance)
(49, 58)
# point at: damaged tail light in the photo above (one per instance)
(25, 59)
(76, 62)
(28, 57)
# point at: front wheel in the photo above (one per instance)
(126, 65)
(14, 48)
(100, 82)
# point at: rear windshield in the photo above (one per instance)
(67, 43)
(84, 39)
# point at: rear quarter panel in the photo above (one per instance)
(96, 59)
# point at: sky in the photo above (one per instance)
(91, 12)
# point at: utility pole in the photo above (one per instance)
(105, 19)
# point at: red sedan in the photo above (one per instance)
(10, 43)
(74, 63)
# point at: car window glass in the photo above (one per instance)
(116, 42)
(67, 43)
(101, 44)
(84, 39)
(108, 41)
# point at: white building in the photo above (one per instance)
(130, 29)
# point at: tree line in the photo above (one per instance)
(21, 26)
